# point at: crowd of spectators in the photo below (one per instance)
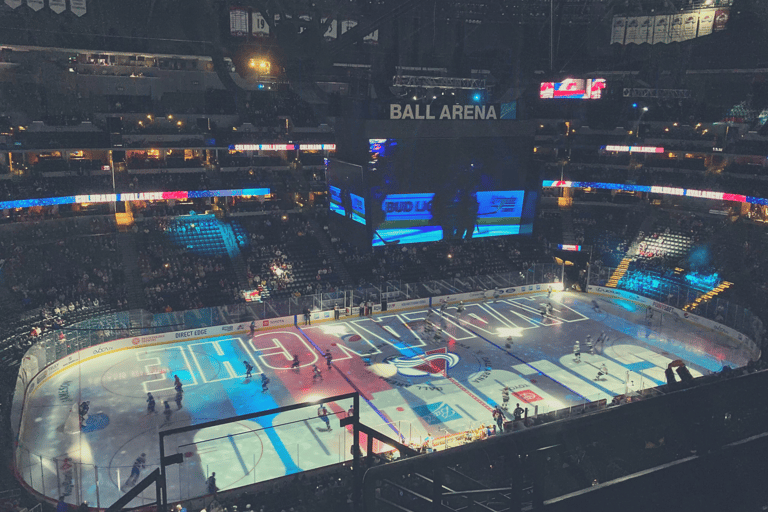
(175, 278)
(64, 269)
(608, 230)
(329, 490)
(440, 260)
(670, 239)
(283, 256)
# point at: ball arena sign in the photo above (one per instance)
(451, 112)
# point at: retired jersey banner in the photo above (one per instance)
(259, 25)
(690, 24)
(619, 27)
(706, 21)
(58, 6)
(721, 18)
(661, 30)
(238, 21)
(77, 7)
(372, 38)
(332, 30)
(35, 5)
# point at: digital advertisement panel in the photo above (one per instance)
(344, 202)
(573, 88)
(346, 190)
(426, 190)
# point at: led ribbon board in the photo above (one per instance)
(654, 189)
(134, 196)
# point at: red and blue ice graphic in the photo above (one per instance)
(433, 362)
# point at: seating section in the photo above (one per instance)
(284, 257)
(184, 264)
(669, 240)
(63, 272)
(439, 260)
(549, 224)
(608, 229)
(199, 234)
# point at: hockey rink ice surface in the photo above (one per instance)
(411, 385)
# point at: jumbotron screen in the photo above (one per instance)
(347, 192)
(431, 189)
(573, 88)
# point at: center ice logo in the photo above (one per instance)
(432, 362)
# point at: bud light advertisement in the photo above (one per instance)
(414, 218)
(432, 189)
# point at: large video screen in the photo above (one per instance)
(346, 190)
(573, 88)
(430, 189)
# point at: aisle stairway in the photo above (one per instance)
(126, 244)
(567, 220)
(622, 268)
(233, 249)
(325, 243)
(619, 272)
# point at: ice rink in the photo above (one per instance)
(412, 384)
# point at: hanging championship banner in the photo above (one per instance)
(77, 7)
(633, 24)
(706, 21)
(58, 6)
(644, 29)
(690, 24)
(619, 27)
(721, 18)
(13, 3)
(661, 30)
(35, 5)
(676, 29)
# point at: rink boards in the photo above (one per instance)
(411, 384)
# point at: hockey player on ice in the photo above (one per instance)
(248, 369)
(264, 383)
(316, 374)
(602, 372)
(138, 465)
